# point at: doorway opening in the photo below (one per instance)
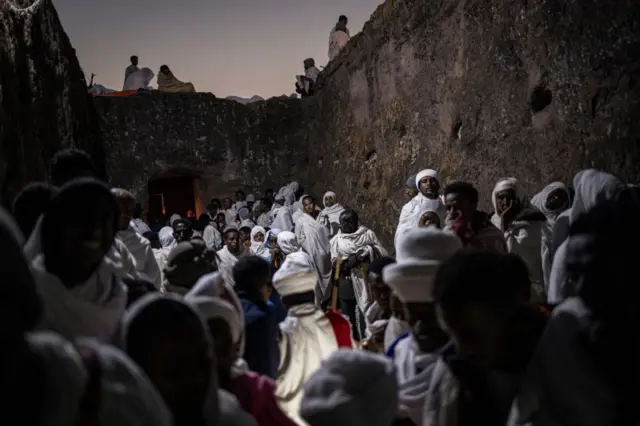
(171, 194)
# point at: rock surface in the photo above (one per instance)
(44, 104)
(535, 89)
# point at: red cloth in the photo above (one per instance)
(256, 395)
(341, 328)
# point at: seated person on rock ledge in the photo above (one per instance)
(167, 82)
(305, 84)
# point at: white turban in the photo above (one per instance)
(355, 388)
(425, 173)
(296, 275)
(327, 195)
(288, 243)
(216, 307)
(418, 257)
(503, 185)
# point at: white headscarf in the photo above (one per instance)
(503, 185)
(355, 388)
(258, 247)
(173, 218)
(539, 201)
(283, 219)
(330, 216)
(288, 243)
(166, 236)
(127, 397)
(216, 307)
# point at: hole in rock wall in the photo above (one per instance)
(540, 98)
(172, 194)
(456, 131)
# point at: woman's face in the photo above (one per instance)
(329, 201)
(429, 219)
(259, 237)
(309, 205)
(505, 200)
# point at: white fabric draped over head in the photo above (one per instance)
(140, 249)
(314, 239)
(173, 218)
(127, 397)
(283, 219)
(418, 257)
(592, 187)
(356, 388)
(504, 184)
(258, 247)
(329, 217)
(216, 307)
(423, 174)
(297, 274)
(288, 243)
(439, 209)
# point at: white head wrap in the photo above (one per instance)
(294, 186)
(327, 195)
(439, 209)
(288, 243)
(539, 200)
(166, 236)
(216, 307)
(503, 185)
(425, 173)
(297, 274)
(418, 257)
(592, 187)
(355, 388)
(251, 198)
(243, 212)
(173, 218)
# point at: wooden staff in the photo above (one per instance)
(335, 283)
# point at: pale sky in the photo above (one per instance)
(228, 47)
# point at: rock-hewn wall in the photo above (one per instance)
(44, 104)
(536, 89)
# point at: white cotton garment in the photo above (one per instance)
(257, 247)
(92, 309)
(362, 242)
(283, 218)
(329, 217)
(140, 226)
(145, 260)
(395, 328)
(413, 370)
(127, 397)
(228, 260)
(314, 239)
(592, 187)
(410, 211)
(356, 388)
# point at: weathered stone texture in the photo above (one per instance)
(44, 104)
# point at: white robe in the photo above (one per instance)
(212, 237)
(283, 219)
(145, 260)
(228, 261)
(140, 226)
(413, 386)
(127, 397)
(307, 340)
(408, 215)
(337, 40)
(92, 309)
(361, 242)
(314, 240)
(329, 217)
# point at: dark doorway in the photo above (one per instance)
(171, 195)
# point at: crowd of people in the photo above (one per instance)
(274, 310)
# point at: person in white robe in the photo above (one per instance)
(521, 225)
(192, 395)
(419, 254)
(232, 251)
(244, 214)
(258, 235)
(551, 201)
(283, 213)
(211, 236)
(138, 246)
(305, 83)
(307, 334)
(79, 285)
(592, 186)
(138, 223)
(427, 198)
(354, 388)
(329, 217)
(139, 79)
(338, 38)
(314, 239)
(173, 218)
(355, 246)
(130, 69)
(230, 211)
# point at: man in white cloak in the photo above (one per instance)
(232, 251)
(329, 217)
(419, 254)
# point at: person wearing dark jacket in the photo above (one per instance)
(252, 276)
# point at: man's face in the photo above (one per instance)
(127, 208)
(182, 233)
(381, 292)
(134, 61)
(459, 207)
(429, 186)
(505, 200)
(245, 239)
(477, 334)
(557, 199)
(424, 326)
(232, 240)
(227, 203)
(309, 205)
(348, 223)
(329, 201)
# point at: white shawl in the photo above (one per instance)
(413, 386)
(361, 242)
(145, 260)
(283, 219)
(410, 211)
(92, 309)
(307, 340)
(314, 240)
(257, 247)
(212, 237)
(140, 227)
(227, 261)
(329, 217)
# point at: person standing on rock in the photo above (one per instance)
(338, 37)
(131, 68)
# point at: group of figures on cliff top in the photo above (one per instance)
(272, 310)
(138, 79)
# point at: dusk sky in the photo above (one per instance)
(228, 47)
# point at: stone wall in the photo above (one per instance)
(43, 95)
(536, 89)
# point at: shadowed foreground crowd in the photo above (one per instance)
(273, 311)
